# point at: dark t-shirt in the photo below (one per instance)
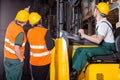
(49, 41)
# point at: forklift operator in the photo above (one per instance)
(104, 38)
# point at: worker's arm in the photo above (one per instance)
(17, 52)
(94, 39)
(18, 44)
(93, 35)
(27, 8)
(49, 40)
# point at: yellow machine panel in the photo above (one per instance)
(52, 65)
(59, 69)
(103, 72)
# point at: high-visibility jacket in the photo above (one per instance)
(39, 54)
(12, 32)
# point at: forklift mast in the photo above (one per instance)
(68, 16)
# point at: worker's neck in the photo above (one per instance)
(21, 24)
(99, 18)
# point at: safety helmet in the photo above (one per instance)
(34, 18)
(103, 8)
(22, 16)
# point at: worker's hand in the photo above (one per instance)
(81, 32)
(21, 59)
(117, 25)
(27, 8)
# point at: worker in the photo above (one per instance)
(103, 37)
(41, 43)
(14, 46)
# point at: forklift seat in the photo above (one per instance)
(114, 58)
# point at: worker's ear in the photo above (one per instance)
(117, 24)
(27, 8)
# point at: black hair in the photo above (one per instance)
(39, 22)
(18, 21)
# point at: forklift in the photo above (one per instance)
(69, 19)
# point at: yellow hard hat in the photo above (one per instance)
(34, 18)
(103, 8)
(22, 16)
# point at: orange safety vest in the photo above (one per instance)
(39, 54)
(12, 32)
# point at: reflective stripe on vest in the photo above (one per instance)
(8, 41)
(40, 54)
(12, 44)
(10, 50)
(37, 47)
